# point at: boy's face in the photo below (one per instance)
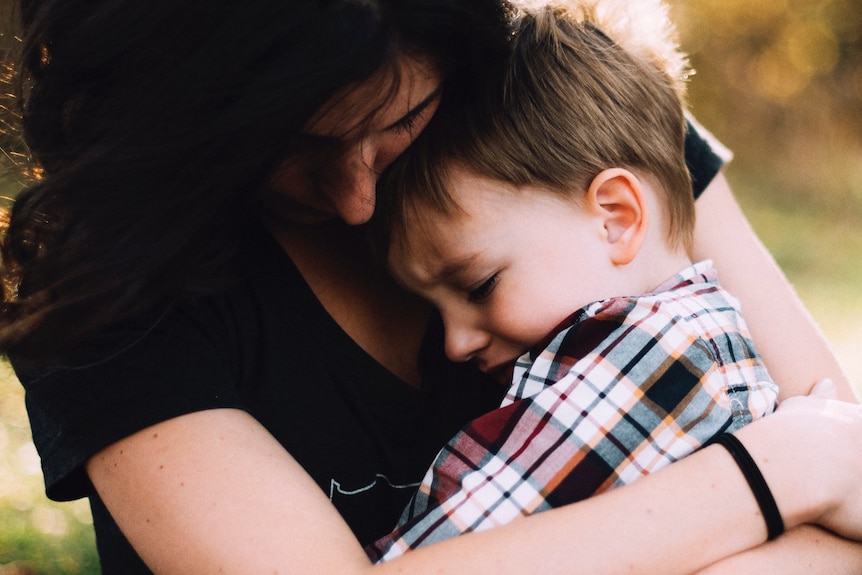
(505, 271)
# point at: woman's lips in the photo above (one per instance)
(502, 372)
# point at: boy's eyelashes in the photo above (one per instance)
(482, 291)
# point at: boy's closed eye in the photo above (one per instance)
(484, 289)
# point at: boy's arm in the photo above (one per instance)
(793, 347)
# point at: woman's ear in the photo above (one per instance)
(619, 195)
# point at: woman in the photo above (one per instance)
(207, 351)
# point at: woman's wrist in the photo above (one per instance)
(759, 488)
(808, 452)
(783, 467)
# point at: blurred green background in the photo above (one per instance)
(778, 81)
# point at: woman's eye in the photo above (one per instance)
(484, 290)
(407, 125)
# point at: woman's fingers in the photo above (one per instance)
(824, 389)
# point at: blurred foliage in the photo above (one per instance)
(780, 82)
(14, 167)
(37, 536)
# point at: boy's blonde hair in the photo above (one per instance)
(588, 85)
(641, 27)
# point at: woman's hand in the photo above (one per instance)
(829, 464)
(808, 548)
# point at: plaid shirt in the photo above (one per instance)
(631, 385)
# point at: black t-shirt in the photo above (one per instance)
(266, 346)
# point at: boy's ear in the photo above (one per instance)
(619, 195)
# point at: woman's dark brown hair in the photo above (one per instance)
(156, 124)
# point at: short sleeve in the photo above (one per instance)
(704, 155)
(125, 381)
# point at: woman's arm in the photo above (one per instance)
(213, 492)
(786, 335)
(796, 354)
(805, 550)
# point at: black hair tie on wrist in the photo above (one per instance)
(765, 500)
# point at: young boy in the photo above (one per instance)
(549, 224)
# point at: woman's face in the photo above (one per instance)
(333, 171)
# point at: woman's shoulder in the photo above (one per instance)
(705, 155)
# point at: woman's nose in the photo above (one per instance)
(355, 202)
(463, 341)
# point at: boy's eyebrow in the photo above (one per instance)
(416, 110)
(454, 267)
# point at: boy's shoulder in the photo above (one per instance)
(692, 301)
(691, 322)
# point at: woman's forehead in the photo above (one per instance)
(380, 101)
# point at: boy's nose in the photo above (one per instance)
(464, 342)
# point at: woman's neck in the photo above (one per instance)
(383, 319)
